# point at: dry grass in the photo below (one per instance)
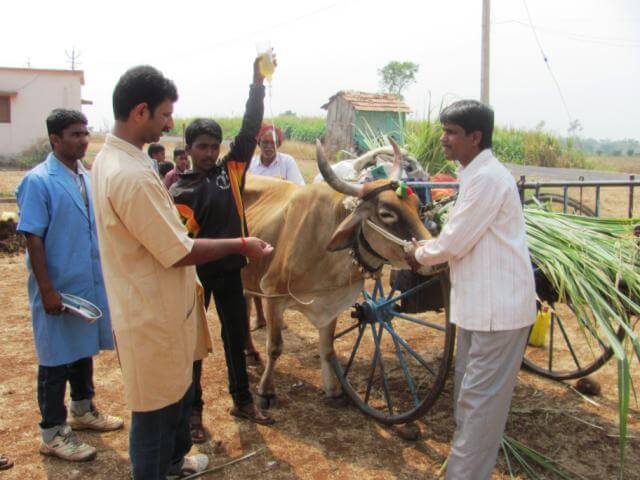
(304, 153)
(616, 164)
(9, 180)
(299, 150)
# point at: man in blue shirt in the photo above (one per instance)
(57, 220)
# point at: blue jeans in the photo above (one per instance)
(159, 439)
(52, 384)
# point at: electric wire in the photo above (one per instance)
(546, 62)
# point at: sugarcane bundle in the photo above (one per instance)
(593, 263)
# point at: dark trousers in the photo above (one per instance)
(159, 440)
(228, 295)
(52, 384)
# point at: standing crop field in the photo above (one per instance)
(304, 129)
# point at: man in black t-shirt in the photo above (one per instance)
(209, 201)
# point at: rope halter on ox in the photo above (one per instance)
(360, 192)
(363, 194)
(361, 243)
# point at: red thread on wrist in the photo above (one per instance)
(243, 247)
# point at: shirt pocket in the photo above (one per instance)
(144, 298)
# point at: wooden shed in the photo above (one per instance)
(351, 114)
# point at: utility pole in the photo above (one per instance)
(73, 57)
(486, 35)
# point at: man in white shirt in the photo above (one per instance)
(272, 163)
(492, 287)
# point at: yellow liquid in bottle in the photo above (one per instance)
(266, 65)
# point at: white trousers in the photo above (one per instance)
(487, 365)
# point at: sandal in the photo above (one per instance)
(251, 413)
(5, 463)
(199, 433)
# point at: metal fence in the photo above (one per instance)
(564, 187)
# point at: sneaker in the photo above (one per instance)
(94, 420)
(191, 465)
(67, 446)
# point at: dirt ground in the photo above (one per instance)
(312, 439)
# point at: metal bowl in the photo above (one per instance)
(80, 307)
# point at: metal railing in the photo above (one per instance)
(523, 186)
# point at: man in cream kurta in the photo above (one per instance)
(156, 303)
(157, 310)
(492, 288)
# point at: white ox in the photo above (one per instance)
(359, 169)
(323, 250)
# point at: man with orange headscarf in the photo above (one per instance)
(272, 163)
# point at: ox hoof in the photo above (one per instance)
(266, 401)
(408, 431)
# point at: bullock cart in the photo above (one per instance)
(393, 357)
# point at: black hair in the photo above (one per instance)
(177, 152)
(164, 168)
(471, 115)
(142, 84)
(61, 118)
(202, 126)
(154, 148)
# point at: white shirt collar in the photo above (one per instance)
(272, 164)
(478, 161)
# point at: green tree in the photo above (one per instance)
(396, 76)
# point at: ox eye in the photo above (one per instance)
(387, 216)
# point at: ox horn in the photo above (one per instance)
(396, 170)
(330, 176)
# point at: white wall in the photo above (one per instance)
(38, 94)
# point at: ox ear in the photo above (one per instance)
(345, 234)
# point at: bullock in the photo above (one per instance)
(328, 238)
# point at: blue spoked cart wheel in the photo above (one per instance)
(391, 363)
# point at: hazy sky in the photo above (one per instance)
(324, 46)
